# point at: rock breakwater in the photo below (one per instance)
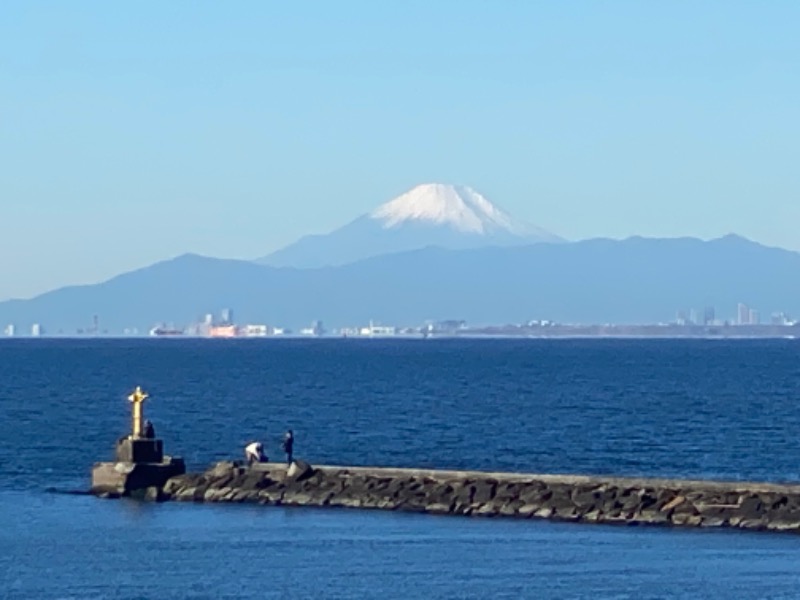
(588, 499)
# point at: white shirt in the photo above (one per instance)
(254, 448)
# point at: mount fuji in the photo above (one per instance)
(448, 216)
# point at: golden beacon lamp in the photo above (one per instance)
(140, 467)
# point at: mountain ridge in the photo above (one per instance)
(637, 280)
(451, 216)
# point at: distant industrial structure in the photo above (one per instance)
(746, 316)
(746, 322)
(316, 329)
(708, 317)
(223, 327)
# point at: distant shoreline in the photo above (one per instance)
(464, 336)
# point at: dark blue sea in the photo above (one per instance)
(676, 408)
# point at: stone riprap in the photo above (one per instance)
(588, 499)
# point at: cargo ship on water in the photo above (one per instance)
(160, 331)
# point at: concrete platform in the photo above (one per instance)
(124, 478)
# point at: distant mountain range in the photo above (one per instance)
(596, 281)
(446, 216)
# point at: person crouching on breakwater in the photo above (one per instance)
(149, 430)
(288, 446)
(254, 453)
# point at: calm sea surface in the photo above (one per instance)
(706, 409)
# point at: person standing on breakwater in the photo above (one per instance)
(149, 430)
(254, 453)
(288, 445)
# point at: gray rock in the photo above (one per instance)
(784, 525)
(686, 519)
(508, 509)
(752, 524)
(175, 484)
(652, 517)
(629, 500)
(593, 516)
(483, 491)
(438, 508)
(185, 494)
(486, 510)
(567, 513)
(673, 503)
(560, 501)
(221, 469)
(154, 494)
(508, 491)
(299, 470)
(348, 502)
(750, 508)
(586, 497)
(713, 521)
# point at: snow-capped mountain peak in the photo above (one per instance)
(448, 216)
(458, 207)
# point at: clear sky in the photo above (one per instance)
(134, 132)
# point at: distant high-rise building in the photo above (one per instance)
(10, 330)
(743, 314)
(709, 315)
(226, 316)
(318, 328)
(753, 318)
(780, 318)
(208, 320)
(36, 330)
(681, 318)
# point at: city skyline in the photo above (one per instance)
(224, 325)
(233, 131)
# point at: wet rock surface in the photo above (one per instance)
(757, 506)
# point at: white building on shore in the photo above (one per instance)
(378, 330)
(255, 331)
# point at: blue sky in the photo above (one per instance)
(132, 133)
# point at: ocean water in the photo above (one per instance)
(682, 408)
